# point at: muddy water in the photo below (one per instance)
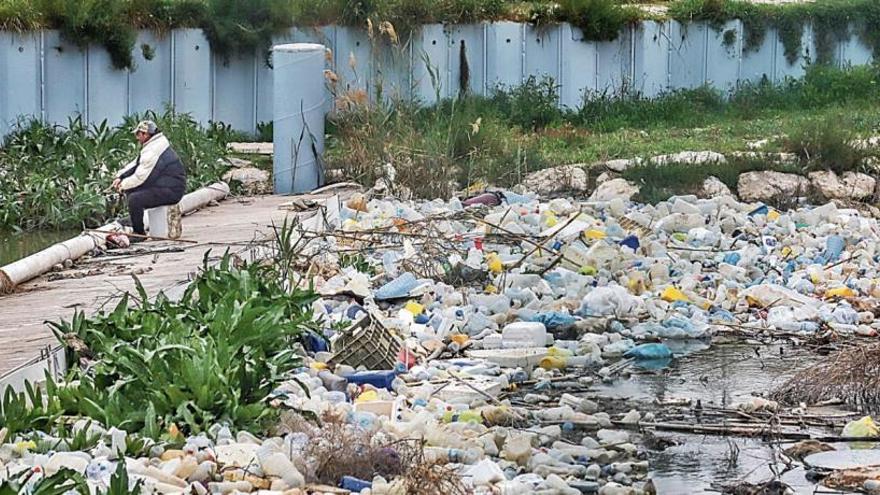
(721, 375)
(16, 246)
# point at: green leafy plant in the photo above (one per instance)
(214, 355)
(31, 409)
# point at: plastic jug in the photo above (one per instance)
(378, 379)
(524, 334)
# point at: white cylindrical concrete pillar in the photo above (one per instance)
(299, 99)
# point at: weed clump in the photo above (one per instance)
(825, 144)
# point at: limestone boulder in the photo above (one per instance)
(251, 179)
(767, 185)
(850, 185)
(713, 187)
(614, 188)
(557, 179)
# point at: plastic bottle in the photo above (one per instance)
(456, 456)
(398, 288)
(332, 382)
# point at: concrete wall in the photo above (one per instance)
(43, 76)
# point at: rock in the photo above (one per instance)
(557, 179)
(780, 158)
(238, 162)
(251, 179)
(713, 187)
(767, 185)
(852, 185)
(620, 165)
(614, 188)
(604, 177)
(632, 417)
(689, 158)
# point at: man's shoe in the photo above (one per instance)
(135, 240)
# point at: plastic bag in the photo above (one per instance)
(554, 320)
(865, 427)
(648, 351)
(612, 300)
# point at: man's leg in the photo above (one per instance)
(143, 199)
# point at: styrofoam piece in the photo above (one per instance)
(511, 358)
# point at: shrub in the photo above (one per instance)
(599, 20)
(826, 144)
(532, 105)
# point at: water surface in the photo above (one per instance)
(14, 246)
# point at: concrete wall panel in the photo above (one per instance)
(651, 45)
(470, 40)
(430, 64)
(108, 88)
(19, 79)
(688, 55)
(150, 80)
(759, 62)
(543, 47)
(724, 56)
(234, 96)
(504, 54)
(578, 72)
(192, 74)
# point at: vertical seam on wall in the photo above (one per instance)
(485, 58)
(773, 55)
(255, 92)
(522, 53)
(213, 88)
(669, 55)
(706, 54)
(632, 57)
(559, 78)
(739, 53)
(85, 109)
(173, 70)
(42, 75)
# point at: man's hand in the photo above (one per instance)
(117, 184)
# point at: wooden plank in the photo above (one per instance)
(22, 314)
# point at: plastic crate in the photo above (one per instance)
(367, 343)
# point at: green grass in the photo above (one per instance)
(501, 138)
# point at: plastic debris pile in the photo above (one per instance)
(459, 339)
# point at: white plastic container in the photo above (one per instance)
(493, 341)
(522, 334)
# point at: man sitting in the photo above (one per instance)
(155, 178)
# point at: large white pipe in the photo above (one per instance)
(39, 263)
(202, 197)
(298, 107)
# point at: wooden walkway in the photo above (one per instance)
(233, 223)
